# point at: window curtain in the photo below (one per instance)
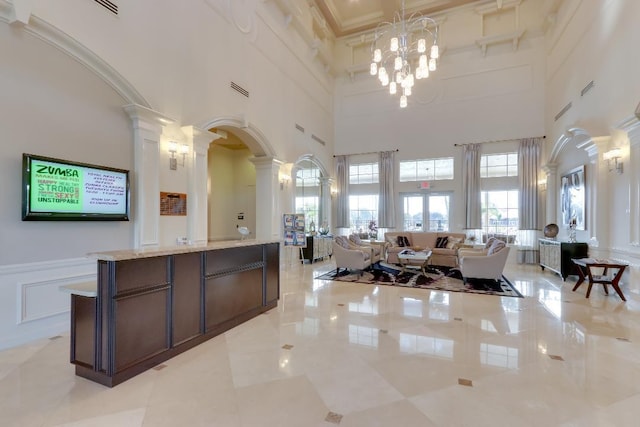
(386, 202)
(471, 186)
(529, 203)
(528, 167)
(342, 202)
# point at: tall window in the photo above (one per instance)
(364, 173)
(497, 165)
(426, 212)
(307, 199)
(363, 210)
(426, 170)
(500, 214)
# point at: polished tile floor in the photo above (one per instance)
(348, 354)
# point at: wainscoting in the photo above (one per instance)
(31, 303)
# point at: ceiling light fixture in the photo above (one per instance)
(407, 42)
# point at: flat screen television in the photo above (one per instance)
(55, 189)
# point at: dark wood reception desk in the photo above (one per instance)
(153, 304)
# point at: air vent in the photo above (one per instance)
(300, 128)
(239, 89)
(109, 5)
(318, 139)
(587, 88)
(564, 110)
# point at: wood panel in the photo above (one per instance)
(83, 340)
(272, 273)
(187, 297)
(232, 295)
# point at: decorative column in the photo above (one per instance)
(597, 183)
(325, 201)
(268, 212)
(147, 128)
(632, 167)
(551, 169)
(197, 201)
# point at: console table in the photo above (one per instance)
(556, 255)
(152, 304)
(318, 247)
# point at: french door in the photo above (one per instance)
(426, 212)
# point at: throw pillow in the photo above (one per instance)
(441, 242)
(391, 240)
(490, 241)
(401, 241)
(343, 241)
(406, 241)
(496, 246)
(356, 239)
(453, 242)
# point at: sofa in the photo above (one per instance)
(446, 255)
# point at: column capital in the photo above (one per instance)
(263, 162)
(146, 118)
(201, 138)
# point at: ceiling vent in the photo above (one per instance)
(239, 89)
(564, 110)
(587, 88)
(109, 5)
(318, 139)
(300, 128)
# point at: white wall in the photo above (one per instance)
(596, 41)
(176, 58)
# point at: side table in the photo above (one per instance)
(585, 266)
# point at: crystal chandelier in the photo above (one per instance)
(407, 42)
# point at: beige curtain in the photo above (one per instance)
(342, 202)
(386, 199)
(471, 186)
(528, 168)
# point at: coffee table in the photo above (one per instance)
(585, 273)
(414, 259)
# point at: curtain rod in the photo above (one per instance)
(498, 140)
(368, 152)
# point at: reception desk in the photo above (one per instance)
(153, 304)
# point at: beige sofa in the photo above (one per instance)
(419, 240)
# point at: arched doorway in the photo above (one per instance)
(242, 177)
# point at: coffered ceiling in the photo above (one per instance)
(346, 17)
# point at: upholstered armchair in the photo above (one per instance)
(488, 266)
(347, 257)
(357, 243)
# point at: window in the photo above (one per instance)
(363, 210)
(431, 210)
(309, 206)
(497, 165)
(426, 170)
(363, 173)
(500, 214)
(307, 193)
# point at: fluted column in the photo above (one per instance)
(148, 125)
(268, 210)
(197, 200)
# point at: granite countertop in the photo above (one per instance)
(128, 254)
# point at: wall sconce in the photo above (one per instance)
(612, 157)
(173, 149)
(542, 185)
(284, 180)
(334, 191)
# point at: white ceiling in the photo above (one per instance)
(346, 17)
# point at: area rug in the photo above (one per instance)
(436, 278)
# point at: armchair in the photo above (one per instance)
(349, 258)
(489, 266)
(356, 242)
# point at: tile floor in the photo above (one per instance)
(347, 354)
